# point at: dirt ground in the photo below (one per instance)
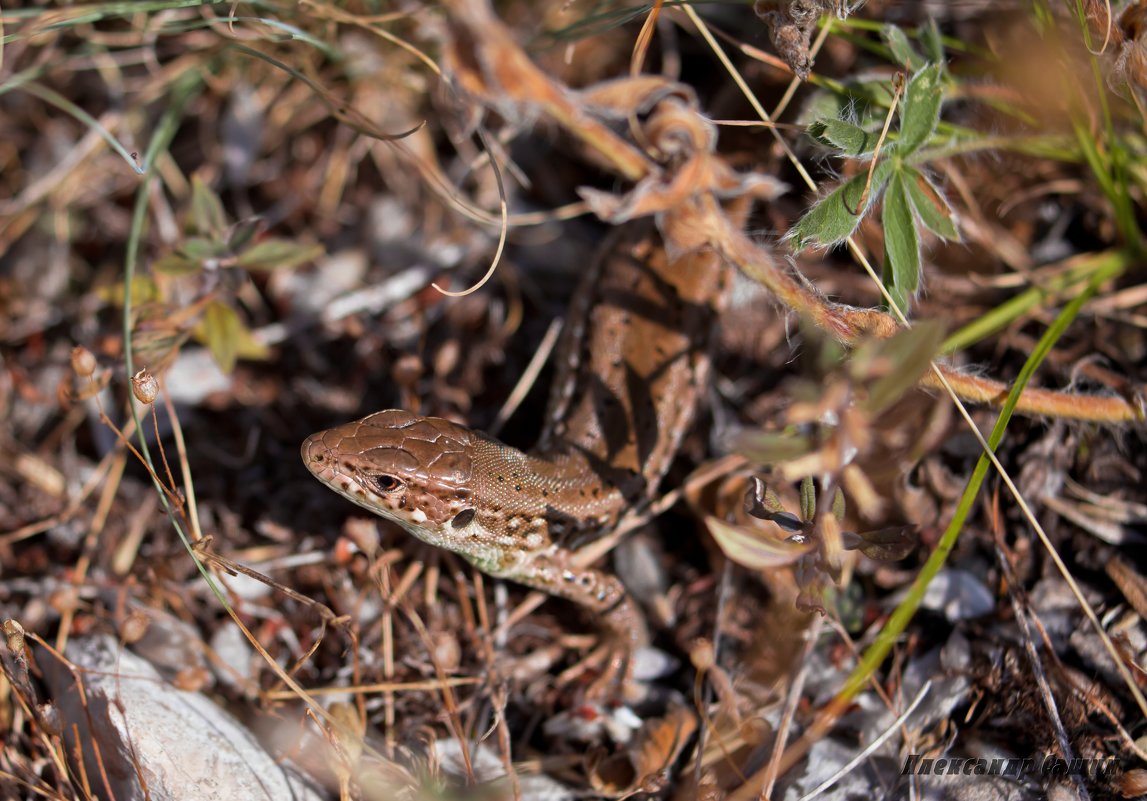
(244, 215)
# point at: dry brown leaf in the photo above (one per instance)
(641, 768)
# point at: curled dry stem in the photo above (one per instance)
(485, 61)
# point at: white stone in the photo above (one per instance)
(177, 744)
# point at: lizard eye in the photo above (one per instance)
(387, 484)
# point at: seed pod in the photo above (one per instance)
(144, 387)
(83, 361)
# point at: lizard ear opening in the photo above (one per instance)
(463, 518)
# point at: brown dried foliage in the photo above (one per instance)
(407, 634)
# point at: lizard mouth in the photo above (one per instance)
(320, 458)
(326, 466)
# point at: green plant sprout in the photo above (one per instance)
(894, 169)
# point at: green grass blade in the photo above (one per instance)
(182, 93)
(875, 654)
(1008, 312)
(68, 107)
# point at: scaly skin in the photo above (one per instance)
(496, 507)
(633, 360)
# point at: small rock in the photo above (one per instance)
(488, 766)
(958, 595)
(178, 745)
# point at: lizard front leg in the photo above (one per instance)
(602, 594)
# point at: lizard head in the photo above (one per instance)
(416, 471)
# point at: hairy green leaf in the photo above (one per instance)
(907, 356)
(278, 254)
(207, 217)
(930, 205)
(901, 242)
(849, 139)
(863, 102)
(902, 51)
(932, 41)
(836, 215)
(920, 111)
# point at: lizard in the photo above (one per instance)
(632, 361)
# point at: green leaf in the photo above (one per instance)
(932, 41)
(278, 254)
(901, 243)
(222, 331)
(772, 448)
(902, 300)
(838, 505)
(207, 217)
(887, 544)
(176, 264)
(835, 216)
(143, 290)
(808, 498)
(200, 249)
(902, 51)
(826, 105)
(754, 547)
(249, 347)
(930, 205)
(761, 502)
(849, 139)
(863, 102)
(920, 111)
(242, 233)
(906, 357)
